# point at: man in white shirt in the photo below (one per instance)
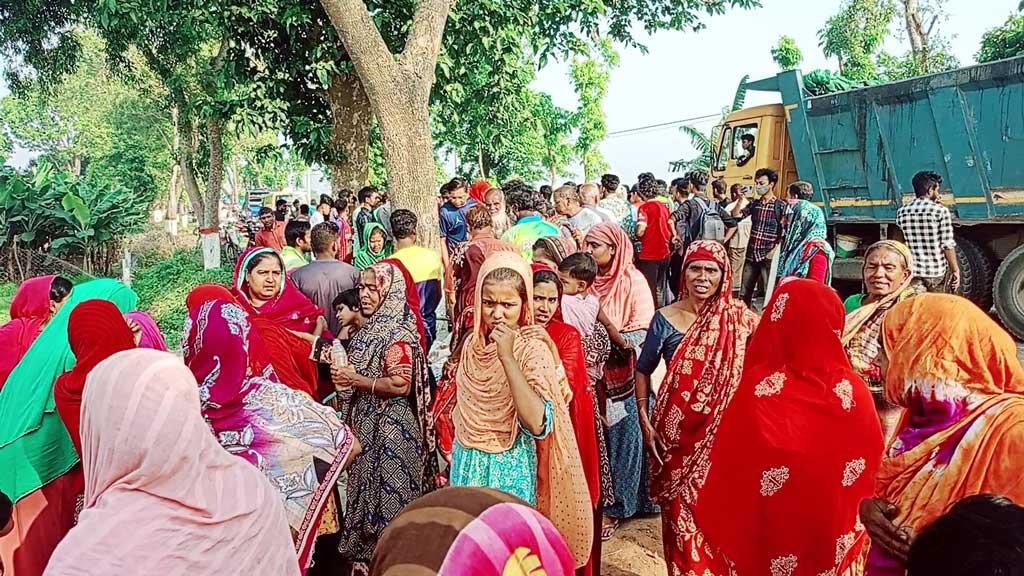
(578, 218)
(591, 194)
(322, 212)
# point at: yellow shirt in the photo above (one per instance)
(422, 263)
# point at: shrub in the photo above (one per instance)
(163, 286)
(6, 295)
(155, 244)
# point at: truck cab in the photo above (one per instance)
(860, 149)
(764, 126)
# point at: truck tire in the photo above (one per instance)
(1008, 292)
(977, 272)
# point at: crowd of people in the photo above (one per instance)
(302, 430)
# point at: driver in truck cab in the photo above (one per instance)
(747, 143)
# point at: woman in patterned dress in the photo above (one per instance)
(774, 477)
(389, 411)
(300, 445)
(513, 431)
(625, 298)
(956, 373)
(704, 372)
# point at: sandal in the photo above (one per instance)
(608, 528)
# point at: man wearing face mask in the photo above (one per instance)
(765, 213)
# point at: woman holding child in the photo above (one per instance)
(626, 300)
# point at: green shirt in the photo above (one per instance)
(854, 302)
(293, 258)
(526, 232)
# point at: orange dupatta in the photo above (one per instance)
(944, 349)
(485, 415)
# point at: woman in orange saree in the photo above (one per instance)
(956, 373)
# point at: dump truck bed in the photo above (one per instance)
(862, 147)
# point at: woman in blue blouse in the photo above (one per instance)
(702, 280)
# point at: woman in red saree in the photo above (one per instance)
(547, 294)
(704, 373)
(277, 309)
(35, 302)
(796, 452)
(96, 331)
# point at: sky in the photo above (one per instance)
(687, 74)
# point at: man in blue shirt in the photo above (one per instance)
(452, 214)
(454, 230)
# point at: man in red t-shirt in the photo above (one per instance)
(272, 234)
(655, 231)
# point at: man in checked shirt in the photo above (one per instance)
(928, 229)
(765, 214)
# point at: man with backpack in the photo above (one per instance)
(697, 218)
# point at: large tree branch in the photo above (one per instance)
(363, 42)
(424, 42)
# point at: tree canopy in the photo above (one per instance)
(787, 54)
(1005, 41)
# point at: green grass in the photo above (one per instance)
(6, 294)
(163, 286)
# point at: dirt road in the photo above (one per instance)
(635, 550)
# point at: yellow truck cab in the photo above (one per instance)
(767, 126)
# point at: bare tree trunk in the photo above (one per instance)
(171, 214)
(481, 167)
(351, 118)
(916, 32)
(188, 169)
(554, 175)
(209, 224)
(398, 89)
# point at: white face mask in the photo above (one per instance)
(762, 189)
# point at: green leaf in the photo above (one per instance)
(76, 207)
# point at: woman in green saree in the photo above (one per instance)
(374, 246)
(39, 463)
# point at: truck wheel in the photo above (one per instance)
(977, 271)
(1008, 292)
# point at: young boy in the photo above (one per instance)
(583, 311)
(347, 310)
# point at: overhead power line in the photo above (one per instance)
(661, 125)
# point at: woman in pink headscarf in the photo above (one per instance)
(161, 495)
(34, 303)
(147, 333)
(299, 444)
(627, 302)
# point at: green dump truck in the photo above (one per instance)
(860, 149)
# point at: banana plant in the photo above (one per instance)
(705, 143)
